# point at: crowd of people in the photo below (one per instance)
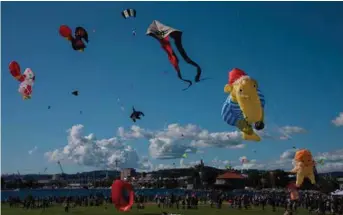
(314, 202)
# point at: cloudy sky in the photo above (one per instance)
(296, 57)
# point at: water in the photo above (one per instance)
(22, 193)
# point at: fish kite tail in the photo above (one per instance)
(185, 80)
(179, 46)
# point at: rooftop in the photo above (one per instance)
(230, 175)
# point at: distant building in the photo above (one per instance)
(231, 180)
(128, 173)
(340, 182)
(56, 177)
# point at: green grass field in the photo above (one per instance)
(149, 210)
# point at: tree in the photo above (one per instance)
(280, 178)
(253, 178)
(3, 184)
(327, 185)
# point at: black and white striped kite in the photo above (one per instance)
(128, 13)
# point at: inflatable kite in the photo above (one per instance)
(26, 79)
(136, 114)
(320, 162)
(77, 41)
(122, 195)
(244, 160)
(293, 191)
(162, 32)
(245, 104)
(304, 166)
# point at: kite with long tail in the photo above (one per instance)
(162, 33)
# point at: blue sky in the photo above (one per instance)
(293, 49)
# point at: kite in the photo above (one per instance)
(293, 191)
(130, 13)
(162, 33)
(122, 195)
(303, 166)
(77, 41)
(26, 79)
(120, 104)
(75, 93)
(228, 166)
(320, 161)
(245, 104)
(244, 160)
(136, 114)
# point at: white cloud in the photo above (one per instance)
(169, 143)
(33, 150)
(288, 154)
(105, 153)
(292, 130)
(339, 120)
(333, 161)
(288, 131)
(173, 141)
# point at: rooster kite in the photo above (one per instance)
(26, 79)
(77, 41)
(162, 32)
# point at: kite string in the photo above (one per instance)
(273, 123)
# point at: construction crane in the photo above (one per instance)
(18, 179)
(19, 176)
(45, 169)
(60, 165)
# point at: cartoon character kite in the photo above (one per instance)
(245, 104)
(136, 114)
(162, 33)
(77, 41)
(303, 166)
(26, 79)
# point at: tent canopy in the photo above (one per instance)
(337, 193)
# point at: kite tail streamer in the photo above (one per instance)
(173, 59)
(178, 43)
